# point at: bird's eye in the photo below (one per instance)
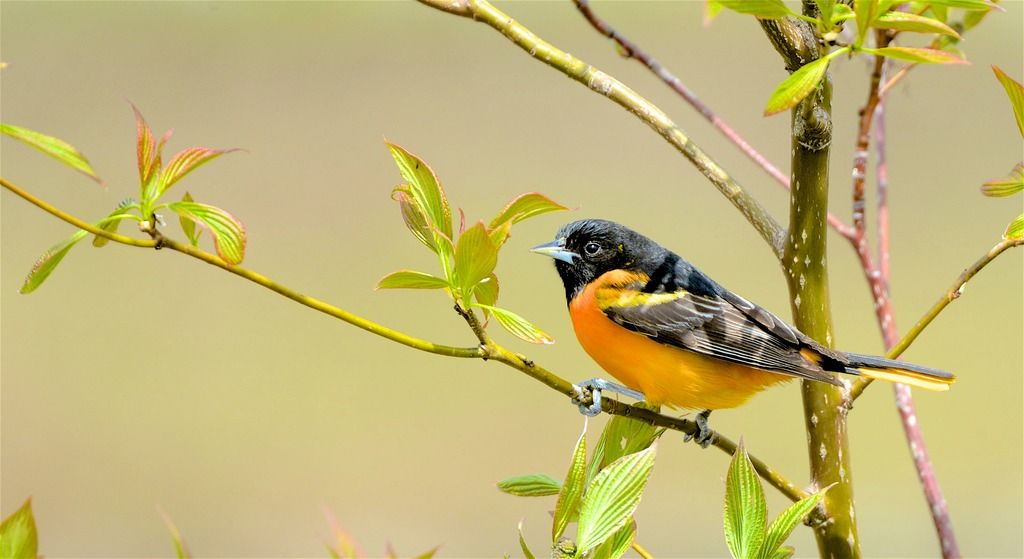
(591, 248)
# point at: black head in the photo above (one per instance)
(584, 250)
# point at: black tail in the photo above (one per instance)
(898, 371)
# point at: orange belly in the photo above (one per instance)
(665, 374)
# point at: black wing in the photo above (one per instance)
(691, 312)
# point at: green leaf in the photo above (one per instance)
(146, 151)
(54, 147)
(424, 188)
(799, 84)
(526, 206)
(784, 552)
(612, 498)
(475, 258)
(486, 292)
(518, 326)
(1006, 186)
(18, 538)
(180, 549)
(941, 13)
(183, 163)
(964, 4)
(865, 11)
(188, 226)
(766, 9)
(46, 263)
(841, 13)
(500, 233)
(711, 11)
(1015, 230)
(1015, 91)
(918, 55)
(571, 493)
(618, 544)
(114, 219)
(522, 543)
(531, 485)
(904, 21)
(409, 279)
(228, 233)
(414, 216)
(428, 554)
(783, 525)
(825, 8)
(745, 508)
(621, 436)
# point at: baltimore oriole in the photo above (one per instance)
(662, 327)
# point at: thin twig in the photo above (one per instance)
(618, 92)
(630, 49)
(937, 506)
(488, 350)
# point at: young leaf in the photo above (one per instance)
(146, 151)
(475, 258)
(49, 260)
(825, 8)
(612, 498)
(486, 292)
(1015, 230)
(532, 485)
(54, 147)
(409, 279)
(428, 554)
(1006, 186)
(865, 11)
(985, 5)
(228, 233)
(114, 219)
(711, 10)
(1015, 91)
(526, 206)
(780, 528)
(905, 21)
(841, 13)
(180, 549)
(18, 538)
(522, 543)
(424, 188)
(799, 84)
(784, 552)
(500, 233)
(617, 545)
(571, 492)
(922, 56)
(518, 326)
(188, 226)
(745, 508)
(183, 163)
(765, 9)
(414, 217)
(621, 436)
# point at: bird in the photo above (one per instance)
(665, 329)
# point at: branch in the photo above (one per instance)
(629, 49)
(487, 350)
(950, 295)
(613, 89)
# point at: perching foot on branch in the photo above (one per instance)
(588, 394)
(704, 436)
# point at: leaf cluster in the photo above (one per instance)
(155, 179)
(467, 261)
(927, 17)
(747, 533)
(599, 495)
(1014, 182)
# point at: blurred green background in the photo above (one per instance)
(135, 379)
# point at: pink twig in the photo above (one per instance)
(629, 49)
(879, 279)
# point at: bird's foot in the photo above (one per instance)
(704, 435)
(588, 394)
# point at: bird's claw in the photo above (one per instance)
(590, 390)
(704, 435)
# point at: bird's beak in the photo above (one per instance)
(556, 249)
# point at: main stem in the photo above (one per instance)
(806, 275)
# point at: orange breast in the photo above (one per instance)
(665, 374)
